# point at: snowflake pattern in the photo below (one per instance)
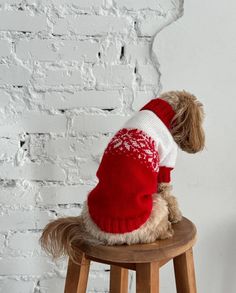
(135, 143)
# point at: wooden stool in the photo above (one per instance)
(145, 259)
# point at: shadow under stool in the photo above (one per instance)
(145, 259)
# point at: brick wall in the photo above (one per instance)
(71, 72)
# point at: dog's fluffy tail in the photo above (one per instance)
(60, 237)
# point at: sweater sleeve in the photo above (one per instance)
(164, 174)
(167, 165)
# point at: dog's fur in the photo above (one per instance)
(59, 236)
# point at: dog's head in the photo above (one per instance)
(186, 126)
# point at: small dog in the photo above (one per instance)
(132, 202)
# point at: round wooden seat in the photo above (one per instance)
(145, 259)
(183, 239)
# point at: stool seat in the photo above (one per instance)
(183, 239)
(145, 259)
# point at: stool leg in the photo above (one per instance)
(185, 273)
(147, 277)
(118, 280)
(77, 275)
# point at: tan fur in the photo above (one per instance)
(175, 214)
(186, 127)
(60, 236)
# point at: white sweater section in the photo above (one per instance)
(152, 125)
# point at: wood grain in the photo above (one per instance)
(147, 277)
(119, 278)
(185, 273)
(77, 275)
(129, 266)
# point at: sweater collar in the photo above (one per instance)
(162, 109)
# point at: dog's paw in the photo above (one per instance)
(175, 216)
(164, 189)
(168, 233)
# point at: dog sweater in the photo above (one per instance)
(138, 156)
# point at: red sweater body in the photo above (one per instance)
(135, 160)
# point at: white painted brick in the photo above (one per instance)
(52, 285)
(19, 101)
(14, 75)
(17, 196)
(36, 144)
(22, 21)
(149, 75)
(33, 266)
(98, 281)
(96, 266)
(48, 50)
(4, 99)
(53, 195)
(16, 286)
(151, 25)
(98, 99)
(69, 212)
(137, 5)
(141, 98)
(168, 5)
(24, 220)
(71, 147)
(88, 170)
(5, 48)
(73, 174)
(61, 77)
(32, 171)
(33, 122)
(116, 75)
(17, 242)
(89, 124)
(2, 245)
(80, 4)
(10, 1)
(17, 220)
(42, 218)
(138, 53)
(98, 25)
(111, 54)
(9, 147)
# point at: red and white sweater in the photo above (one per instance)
(139, 156)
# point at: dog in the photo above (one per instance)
(132, 201)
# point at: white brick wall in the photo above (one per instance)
(71, 73)
(22, 21)
(92, 25)
(33, 122)
(56, 50)
(93, 98)
(18, 285)
(13, 75)
(4, 48)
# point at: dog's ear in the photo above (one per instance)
(187, 124)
